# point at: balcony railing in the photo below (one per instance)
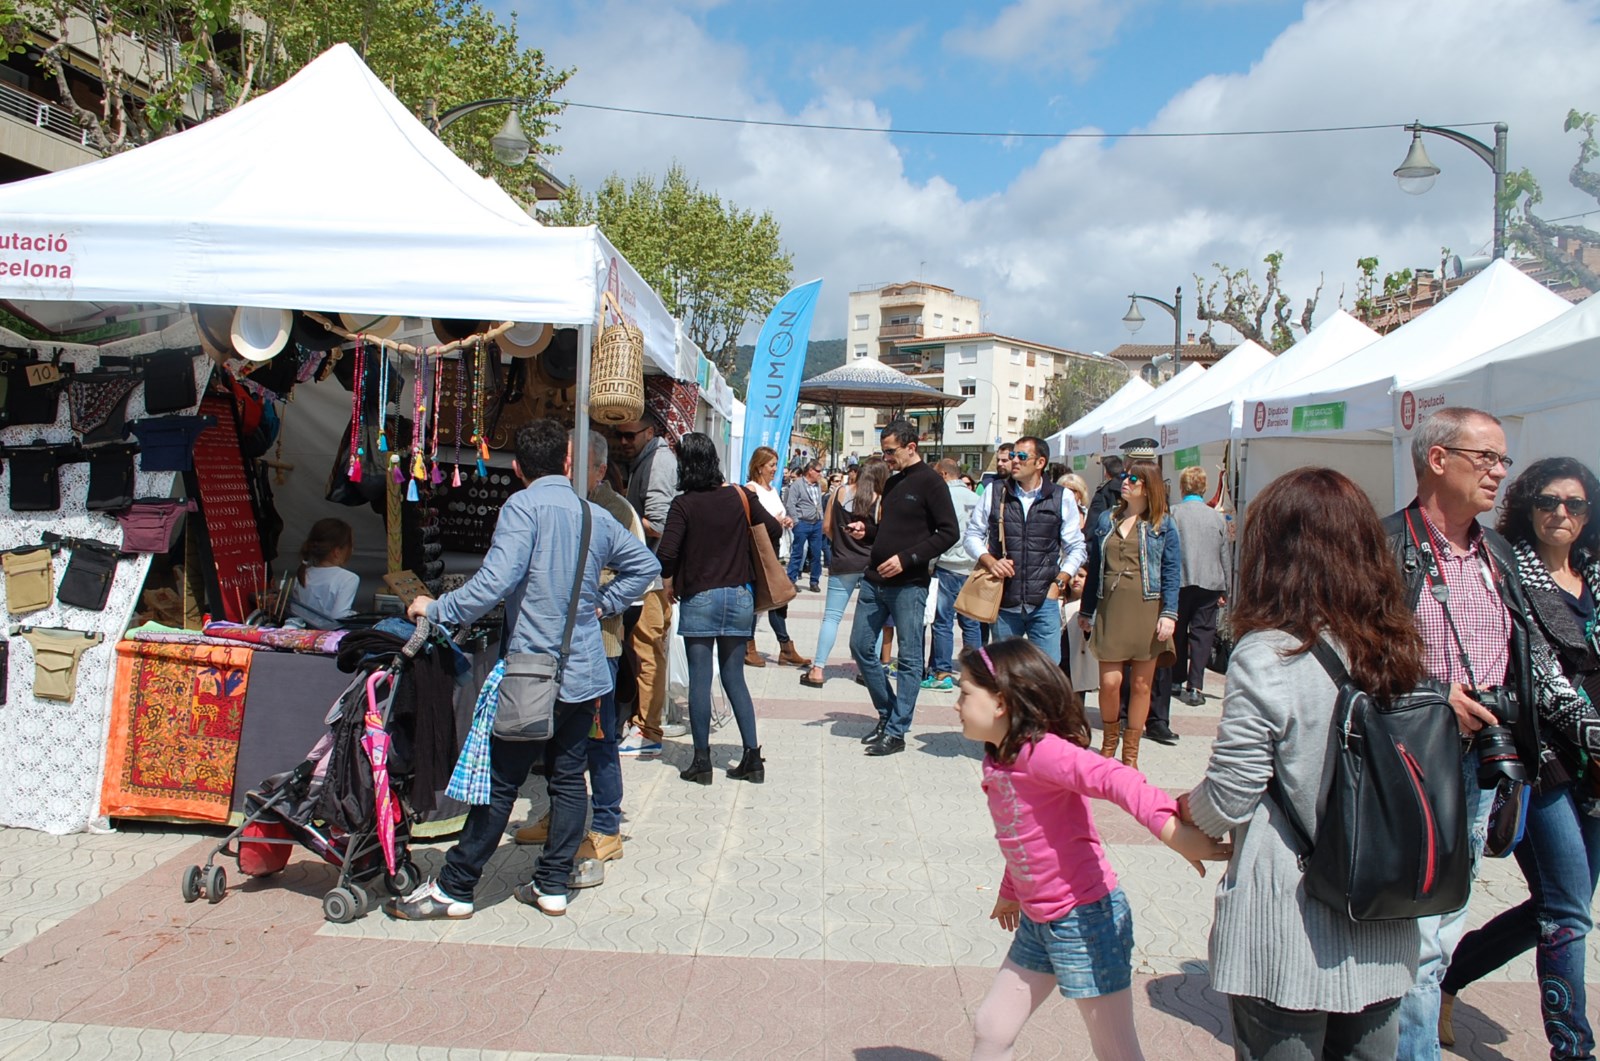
(42, 114)
(900, 331)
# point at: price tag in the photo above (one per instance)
(39, 375)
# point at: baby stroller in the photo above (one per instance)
(349, 801)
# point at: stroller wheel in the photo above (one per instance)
(366, 902)
(216, 884)
(404, 880)
(339, 906)
(190, 885)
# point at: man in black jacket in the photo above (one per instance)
(1109, 492)
(917, 523)
(1475, 630)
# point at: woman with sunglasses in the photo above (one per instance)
(1547, 520)
(1130, 602)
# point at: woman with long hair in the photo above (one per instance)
(763, 469)
(1314, 564)
(1549, 520)
(706, 567)
(849, 504)
(1130, 602)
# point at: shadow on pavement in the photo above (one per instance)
(1188, 997)
(893, 1053)
(948, 744)
(1477, 1033)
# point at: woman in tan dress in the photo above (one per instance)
(1130, 602)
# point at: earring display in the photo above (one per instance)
(467, 513)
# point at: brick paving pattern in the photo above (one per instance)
(838, 911)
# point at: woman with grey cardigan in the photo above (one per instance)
(1304, 981)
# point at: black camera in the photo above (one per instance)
(1496, 747)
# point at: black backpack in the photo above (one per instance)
(1392, 842)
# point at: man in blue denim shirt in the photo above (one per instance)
(530, 565)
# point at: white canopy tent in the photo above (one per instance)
(1107, 439)
(1343, 416)
(1062, 443)
(1552, 371)
(1221, 379)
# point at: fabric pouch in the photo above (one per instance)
(150, 525)
(97, 402)
(168, 441)
(90, 573)
(30, 580)
(111, 477)
(169, 382)
(28, 402)
(35, 479)
(55, 661)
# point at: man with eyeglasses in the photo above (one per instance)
(1476, 636)
(916, 523)
(1027, 532)
(652, 484)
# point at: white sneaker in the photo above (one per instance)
(553, 905)
(635, 746)
(428, 903)
(674, 729)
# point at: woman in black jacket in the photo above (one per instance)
(1549, 523)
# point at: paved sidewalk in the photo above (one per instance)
(838, 911)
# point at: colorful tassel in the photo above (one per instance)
(395, 470)
(436, 476)
(455, 477)
(411, 491)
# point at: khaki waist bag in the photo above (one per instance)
(30, 580)
(55, 661)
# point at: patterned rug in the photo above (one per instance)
(175, 725)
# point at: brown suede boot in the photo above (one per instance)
(1108, 737)
(1447, 1027)
(753, 658)
(1130, 747)
(787, 654)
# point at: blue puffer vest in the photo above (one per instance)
(1033, 543)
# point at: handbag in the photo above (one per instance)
(150, 525)
(169, 382)
(30, 579)
(772, 586)
(90, 573)
(531, 683)
(980, 594)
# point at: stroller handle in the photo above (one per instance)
(419, 637)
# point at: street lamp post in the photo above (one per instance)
(1416, 174)
(1135, 320)
(510, 145)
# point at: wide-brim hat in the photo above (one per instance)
(258, 333)
(214, 323)
(313, 336)
(453, 331)
(557, 363)
(369, 324)
(526, 340)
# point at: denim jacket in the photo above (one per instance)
(1160, 564)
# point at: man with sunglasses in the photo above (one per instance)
(1477, 636)
(916, 523)
(652, 484)
(1027, 532)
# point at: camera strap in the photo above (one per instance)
(1441, 592)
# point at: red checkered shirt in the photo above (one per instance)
(1480, 615)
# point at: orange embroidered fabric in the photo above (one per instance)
(176, 717)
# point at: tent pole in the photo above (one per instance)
(580, 414)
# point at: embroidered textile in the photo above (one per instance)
(673, 403)
(288, 638)
(175, 724)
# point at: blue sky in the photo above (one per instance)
(1051, 235)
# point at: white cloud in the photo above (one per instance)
(1054, 253)
(1044, 34)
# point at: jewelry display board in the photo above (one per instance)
(52, 751)
(467, 513)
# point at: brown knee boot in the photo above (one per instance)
(752, 657)
(1130, 747)
(787, 654)
(1108, 737)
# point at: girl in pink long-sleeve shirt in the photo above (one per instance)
(1059, 894)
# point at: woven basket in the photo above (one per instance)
(616, 374)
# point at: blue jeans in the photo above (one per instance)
(905, 604)
(807, 536)
(605, 766)
(839, 589)
(945, 619)
(1419, 1008)
(565, 755)
(730, 661)
(1560, 859)
(1041, 626)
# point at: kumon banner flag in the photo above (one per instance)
(776, 371)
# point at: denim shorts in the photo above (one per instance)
(728, 611)
(1089, 951)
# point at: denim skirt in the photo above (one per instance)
(727, 611)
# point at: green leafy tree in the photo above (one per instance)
(173, 62)
(1072, 393)
(717, 267)
(1233, 297)
(1533, 235)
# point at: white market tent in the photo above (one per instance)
(1062, 442)
(1220, 380)
(1106, 439)
(1343, 416)
(1552, 371)
(325, 193)
(1220, 420)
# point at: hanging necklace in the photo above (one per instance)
(435, 475)
(357, 392)
(383, 400)
(419, 425)
(461, 401)
(480, 384)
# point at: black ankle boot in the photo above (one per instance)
(751, 768)
(699, 771)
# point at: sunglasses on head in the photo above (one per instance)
(1576, 506)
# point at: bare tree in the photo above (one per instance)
(1235, 299)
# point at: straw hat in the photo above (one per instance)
(452, 331)
(526, 340)
(214, 324)
(368, 324)
(258, 333)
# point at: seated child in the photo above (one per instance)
(324, 593)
